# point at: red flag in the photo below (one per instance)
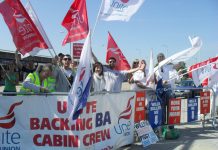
(114, 51)
(76, 22)
(26, 36)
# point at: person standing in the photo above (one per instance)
(11, 80)
(115, 78)
(98, 82)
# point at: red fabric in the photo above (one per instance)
(114, 51)
(24, 32)
(76, 22)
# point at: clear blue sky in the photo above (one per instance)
(161, 25)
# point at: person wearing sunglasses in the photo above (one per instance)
(67, 69)
(64, 74)
(115, 78)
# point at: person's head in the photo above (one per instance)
(112, 62)
(142, 63)
(160, 57)
(11, 66)
(66, 61)
(98, 68)
(44, 71)
(135, 63)
(60, 57)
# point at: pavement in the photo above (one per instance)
(192, 137)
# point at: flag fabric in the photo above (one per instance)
(182, 55)
(201, 72)
(76, 22)
(25, 34)
(121, 10)
(79, 92)
(114, 51)
(36, 21)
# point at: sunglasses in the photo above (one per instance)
(111, 61)
(67, 59)
(136, 63)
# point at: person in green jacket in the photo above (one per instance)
(11, 80)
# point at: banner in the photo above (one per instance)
(140, 106)
(76, 22)
(42, 123)
(146, 133)
(174, 111)
(25, 34)
(121, 10)
(114, 51)
(77, 49)
(155, 113)
(205, 102)
(192, 105)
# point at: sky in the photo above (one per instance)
(159, 25)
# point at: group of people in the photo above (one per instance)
(59, 75)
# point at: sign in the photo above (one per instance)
(42, 122)
(140, 106)
(155, 113)
(192, 105)
(77, 49)
(205, 102)
(174, 111)
(145, 133)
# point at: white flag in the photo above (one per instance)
(36, 21)
(79, 92)
(203, 70)
(119, 9)
(183, 55)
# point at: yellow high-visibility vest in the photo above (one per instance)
(35, 79)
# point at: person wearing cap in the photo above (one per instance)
(36, 82)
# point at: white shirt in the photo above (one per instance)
(114, 79)
(98, 83)
(168, 73)
(140, 76)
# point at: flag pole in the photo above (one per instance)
(191, 71)
(49, 43)
(97, 18)
(44, 32)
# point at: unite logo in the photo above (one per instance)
(120, 5)
(124, 123)
(76, 17)
(9, 120)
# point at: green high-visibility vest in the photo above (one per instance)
(35, 79)
(51, 84)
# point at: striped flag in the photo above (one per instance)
(79, 92)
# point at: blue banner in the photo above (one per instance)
(192, 105)
(155, 113)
